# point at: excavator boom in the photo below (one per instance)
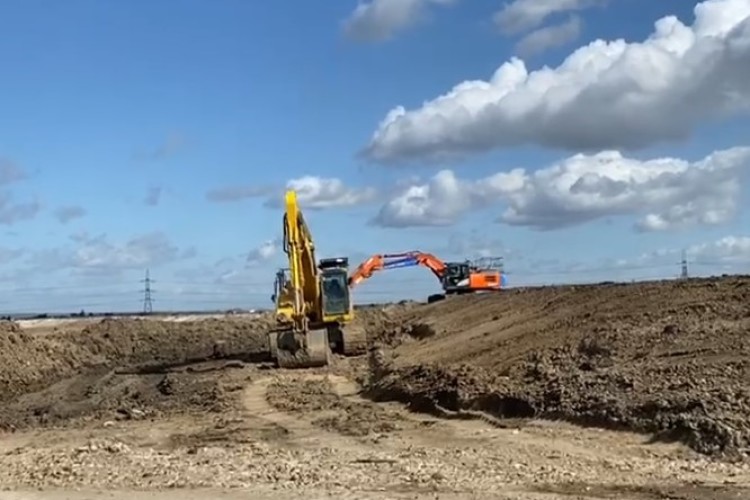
(396, 260)
(312, 300)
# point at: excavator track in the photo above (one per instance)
(354, 340)
(291, 349)
(348, 340)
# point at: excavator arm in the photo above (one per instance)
(397, 260)
(313, 304)
(298, 345)
(299, 247)
(454, 277)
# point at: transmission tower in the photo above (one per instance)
(147, 299)
(684, 266)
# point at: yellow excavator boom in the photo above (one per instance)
(313, 303)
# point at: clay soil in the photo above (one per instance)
(611, 391)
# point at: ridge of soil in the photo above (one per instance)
(670, 358)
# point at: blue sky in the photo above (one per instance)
(145, 134)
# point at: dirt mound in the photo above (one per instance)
(112, 396)
(665, 357)
(383, 322)
(116, 364)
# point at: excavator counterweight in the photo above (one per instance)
(314, 309)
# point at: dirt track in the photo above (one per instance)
(131, 405)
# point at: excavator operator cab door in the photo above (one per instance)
(456, 276)
(334, 287)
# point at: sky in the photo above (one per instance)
(580, 140)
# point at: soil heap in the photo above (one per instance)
(670, 358)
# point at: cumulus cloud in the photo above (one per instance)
(727, 250)
(476, 244)
(606, 95)
(264, 252)
(149, 249)
(380, 20)
(665, 193)
(68, 213)
(313, 192)
(549, 37)
(317, 193)
(727, 254)
(524, 15)
(99, 256)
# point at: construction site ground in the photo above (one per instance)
(633, 391)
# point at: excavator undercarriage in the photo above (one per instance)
(292, 348)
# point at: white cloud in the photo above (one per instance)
(549, 37)
(150, 249)
(727, 250)
(319, 193)
(264, 252)
(523, 15)
(440, 202)
(476, 244)
(729, 254)
(667, 193)
(606, 95)
(380, 20)
(313, 192)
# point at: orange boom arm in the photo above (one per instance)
(455, 277)
(380, 262)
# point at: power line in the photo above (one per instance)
(147, 299)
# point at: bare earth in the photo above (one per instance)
(510, 396)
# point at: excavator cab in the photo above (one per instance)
(335, 297)
(456, 276)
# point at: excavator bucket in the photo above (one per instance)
(292, 349)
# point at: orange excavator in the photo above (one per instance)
(455, 277)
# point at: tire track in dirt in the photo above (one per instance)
(302, 431)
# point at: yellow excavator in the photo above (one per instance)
(314, 309)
